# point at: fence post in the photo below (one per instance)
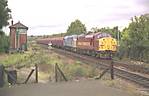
(102, 74)
(29, 76)
(12, 76)
(36, 74)
(2, 75)
(61, 73)
(56, 79)
(112, 70)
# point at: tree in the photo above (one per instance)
(136, 38)
(4, 43)
(139, 36)
(4, 13)
(76, 27)
(4, 17)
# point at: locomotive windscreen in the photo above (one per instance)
(103, 35)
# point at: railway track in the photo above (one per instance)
(125, 74)
(141, 80)
(133, 67)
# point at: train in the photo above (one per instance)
(94, 44)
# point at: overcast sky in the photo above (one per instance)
(54, 16)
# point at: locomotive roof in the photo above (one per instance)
(91, 35)
(71, 36)
(97, 35)
(81, 35)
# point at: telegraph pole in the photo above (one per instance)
(117, 34)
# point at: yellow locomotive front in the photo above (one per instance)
(108, 44)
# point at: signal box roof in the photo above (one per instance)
(18, 25)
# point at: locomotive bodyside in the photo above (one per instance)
(70, 41)
(84, 42)
(97, 42)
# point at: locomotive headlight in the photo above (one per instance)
(103, 40)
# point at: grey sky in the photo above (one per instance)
(54, 16)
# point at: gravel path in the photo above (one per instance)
(81, 88)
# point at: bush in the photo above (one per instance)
(4, 43)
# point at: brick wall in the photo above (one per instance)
(23, 39)
(12, 38)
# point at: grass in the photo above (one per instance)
(19, 58)
(12, 59)
(71, 68)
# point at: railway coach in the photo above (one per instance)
(57, 42)
(44, 41)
